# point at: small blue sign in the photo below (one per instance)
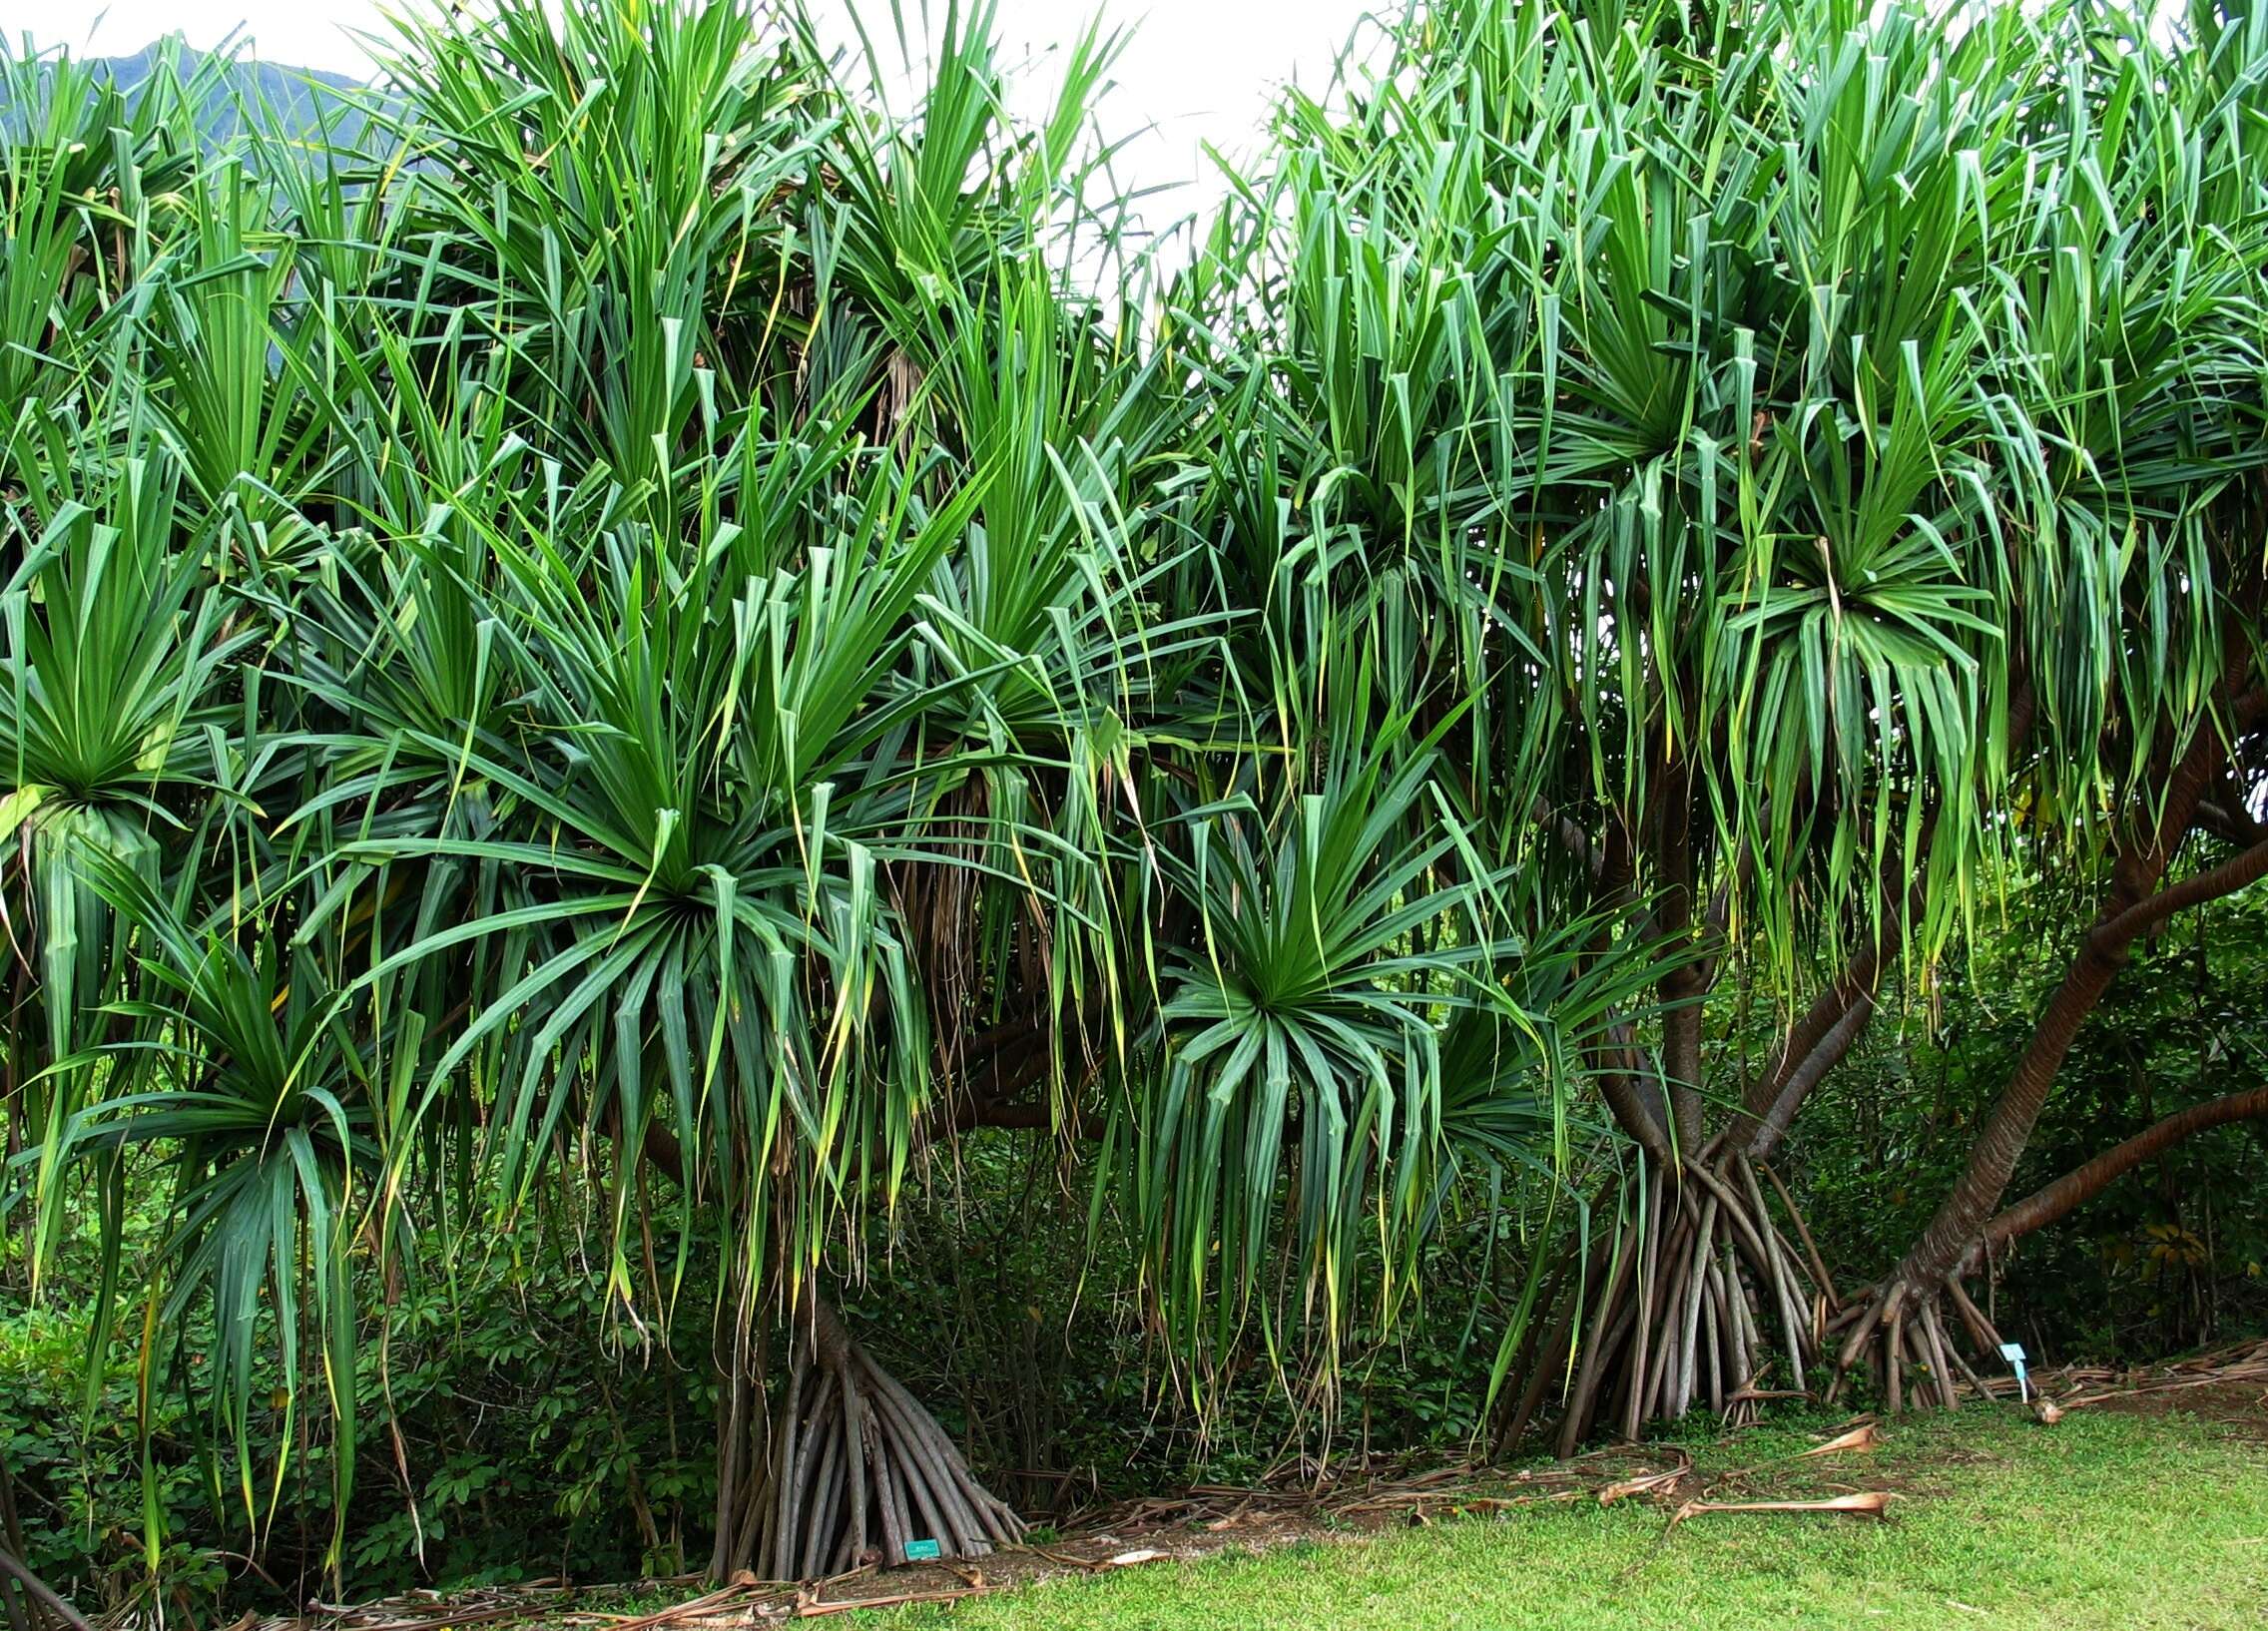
(922, 1551)
(2014, 1354)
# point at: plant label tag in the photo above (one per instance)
(2014, 1354)
(922, 1551)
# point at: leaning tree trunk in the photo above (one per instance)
(1925, 1332)
(1703, 1297)
(1715, 1293)
(849, 1471)
(1900, 1333)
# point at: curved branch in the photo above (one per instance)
(2248, 866)
(2088, 1179)
(1633, 1098)
(1804, 1038)
(2228, 818)
(1837, 1017)
(1823, 1057)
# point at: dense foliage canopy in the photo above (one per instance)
(622, 627)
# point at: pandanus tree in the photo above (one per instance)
(666, 649)
(1848, 420)
(650, 629)
(2137, 570)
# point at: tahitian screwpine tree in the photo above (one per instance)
(652, 626)
(633, 631)
(1860, 410)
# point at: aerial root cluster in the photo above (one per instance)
(860, 1469)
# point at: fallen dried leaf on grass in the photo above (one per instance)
(806, 1609)
(1864, 1502)
(1860, 1440)
(1640, 1485)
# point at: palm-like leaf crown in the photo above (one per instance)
(642, 612)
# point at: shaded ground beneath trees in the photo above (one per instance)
(2147, 1503)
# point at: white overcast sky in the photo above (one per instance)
(1199, 70)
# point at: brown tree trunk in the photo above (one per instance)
(1705, 1291)
(2083, 1183)
(1825, 1034)
(1683, 989)
(1830, 1051)
(2130, 909)
(2133, 905)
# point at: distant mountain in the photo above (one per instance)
(233, 92)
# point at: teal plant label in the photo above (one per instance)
(2014, 1354)
(922, 1551)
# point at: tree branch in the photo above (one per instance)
(1824, 1057)
(2211, 885)
(41, 1592)
(1966, 1208)
(1854, 984)
(2088, 1179)
(2230, 821)
(1830, 1027)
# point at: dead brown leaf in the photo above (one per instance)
(1858, 1441)
(1640, 1485)
(1864, 1502)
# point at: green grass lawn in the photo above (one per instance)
(2101, 1522)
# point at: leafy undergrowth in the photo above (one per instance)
(2106, 1521)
